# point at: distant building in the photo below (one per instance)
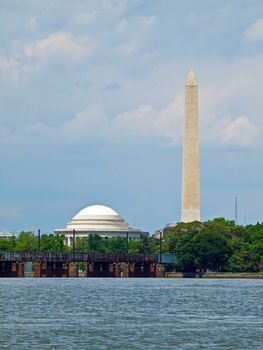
(169, 226)
(101, 220)
(6, 235)
(158, 233)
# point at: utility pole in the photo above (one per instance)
(38, 242)
(236, 216)
(161, 246)
(127, 242)
(73, 250)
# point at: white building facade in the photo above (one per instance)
(6, 235)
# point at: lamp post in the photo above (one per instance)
(73, 246)
(161, 246)
(127, 242)
(38, 242)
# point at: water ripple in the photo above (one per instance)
(130, 314)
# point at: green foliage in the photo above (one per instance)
(242, 260)
(172, 237)
(52, 243)
(202, 250)
(134, 247)
(115, 245)
(96, 244)
(217, 245)
(149, 245)
(26, 241)
(12, 241)
(82, 245)
(4, 244)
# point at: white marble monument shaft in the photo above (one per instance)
(191, 178)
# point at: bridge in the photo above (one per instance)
(95, 264)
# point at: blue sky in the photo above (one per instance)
(91, 108)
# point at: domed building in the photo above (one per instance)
(102, 220)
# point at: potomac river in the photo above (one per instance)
(130, 314)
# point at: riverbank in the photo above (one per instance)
(258, 275)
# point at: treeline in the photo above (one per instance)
(27, 241)
(218, 245)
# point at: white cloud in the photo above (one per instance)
(144, 122)
(230, 106)
(255, 31)
(241, 131)
(150, 122)
(58, 44)
(85, 125)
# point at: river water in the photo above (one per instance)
(131, 314)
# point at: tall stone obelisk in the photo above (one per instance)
(191, 178)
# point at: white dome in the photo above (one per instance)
(100, 210)
(98, 218)
(102, 220)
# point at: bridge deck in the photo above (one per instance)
(78, 257)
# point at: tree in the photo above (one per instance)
(173, 236)
(12, 242)
(202, 250)
(52, 243)
(134, 247)
(115, 245)
(185, 253)
(82, 245)
(26, 242)
(256, 247)
(96, 244)
(211, 251)
(149, 245)
(4, 244)
(242, 260)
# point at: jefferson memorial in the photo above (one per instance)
(101, 220)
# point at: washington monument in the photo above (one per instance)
(191, 178)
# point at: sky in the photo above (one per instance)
(92, 104)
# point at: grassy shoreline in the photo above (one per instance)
(247, 275)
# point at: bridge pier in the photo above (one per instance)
(55, 269)
(11, 269)
(159, 271)
(143, 270)
(102, 269)
(21, 269)
(72, 270)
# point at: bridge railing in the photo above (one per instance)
(78, 257)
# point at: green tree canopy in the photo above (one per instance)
(26, 241)
(52, 243)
